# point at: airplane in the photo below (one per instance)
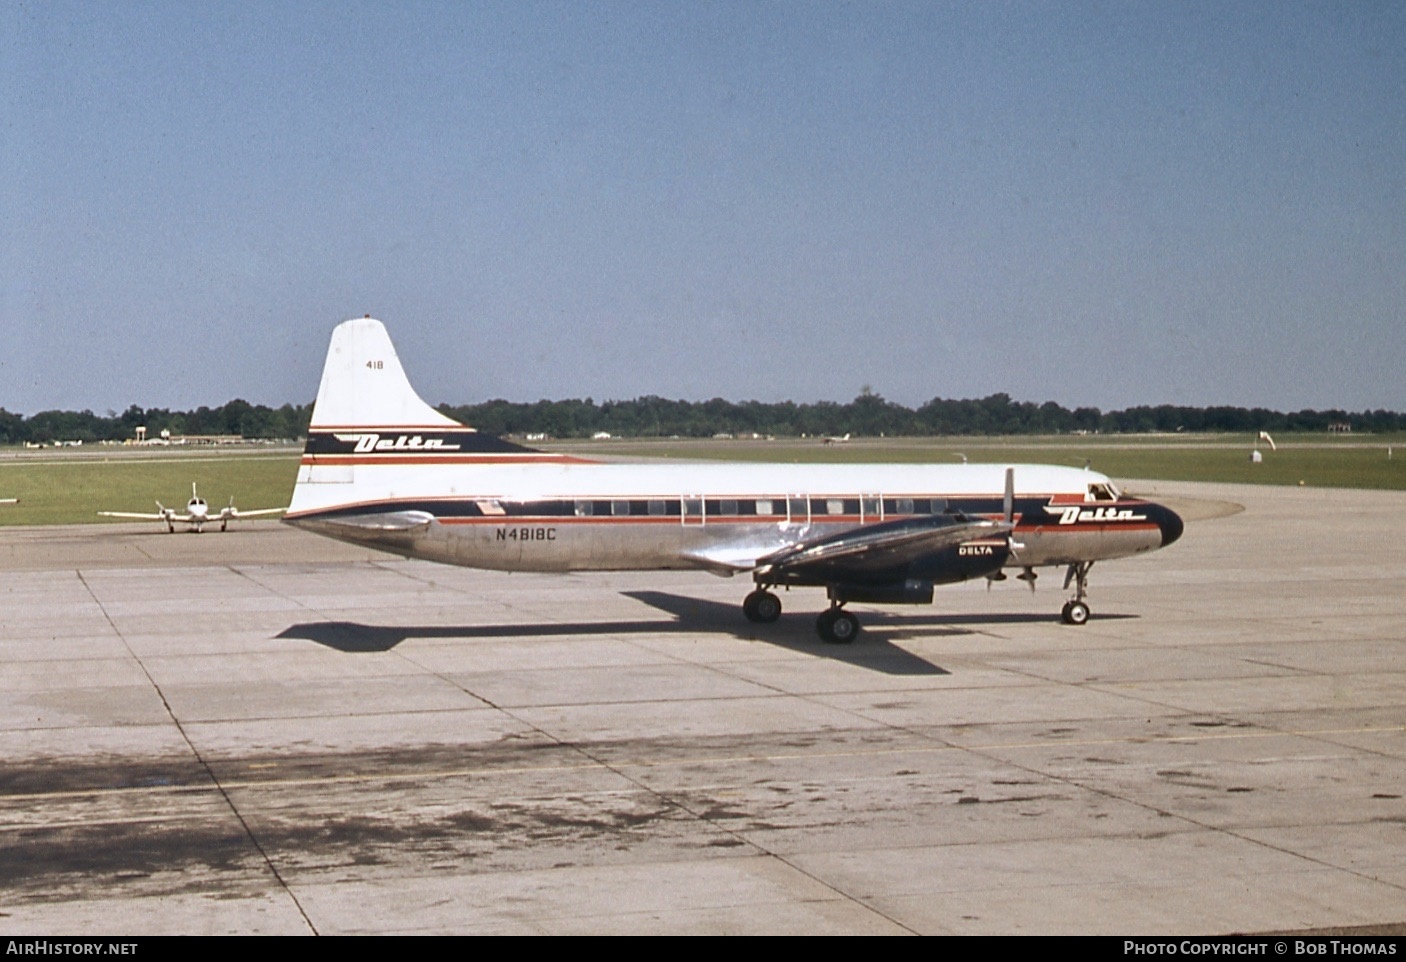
(197, 514)
(383, 469)
(837, 439)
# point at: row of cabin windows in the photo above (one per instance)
(797, 507)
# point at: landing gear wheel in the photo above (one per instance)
(1075, 613)
(763, 607)
(837, 626)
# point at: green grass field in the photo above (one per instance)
(70, 488)
(1319, 462)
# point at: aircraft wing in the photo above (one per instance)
(884, 545)
(249, 514)
(872, 547)
(183, 518)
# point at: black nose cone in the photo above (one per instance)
(1170, 523)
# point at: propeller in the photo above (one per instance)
(1008, 516)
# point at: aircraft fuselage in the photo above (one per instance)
(384, 469)
(546, 513)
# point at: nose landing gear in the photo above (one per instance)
(1075, 611)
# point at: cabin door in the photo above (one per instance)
(693, 510)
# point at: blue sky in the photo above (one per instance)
(1104, 204)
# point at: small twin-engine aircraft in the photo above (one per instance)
(197, 514)
(384, 469)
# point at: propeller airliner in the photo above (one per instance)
(385, 470)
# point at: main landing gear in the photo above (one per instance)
(1075, 612)
(762, 607)
(834, 625)
(837, 626)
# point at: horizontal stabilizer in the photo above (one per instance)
(725, 560)
(374, 522)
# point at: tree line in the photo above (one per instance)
(238, 417)
(868, 415)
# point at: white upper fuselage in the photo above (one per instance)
(549, 476)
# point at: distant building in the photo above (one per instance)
(1340, 427)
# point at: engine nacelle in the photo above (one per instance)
(912, 591)
(963, 562)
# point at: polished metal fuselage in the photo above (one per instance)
(549, 515)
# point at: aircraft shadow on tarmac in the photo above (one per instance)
(875, 648)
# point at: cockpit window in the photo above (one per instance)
(1101, 492)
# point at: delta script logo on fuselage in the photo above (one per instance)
(402, 442)
(1078, 514)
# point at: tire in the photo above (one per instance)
(1076, 613)
(837, 626)
(761, 607)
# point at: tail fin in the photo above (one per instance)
(374, 444)
(364, 386)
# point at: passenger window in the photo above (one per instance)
(834, 506)
(905, 506)
(619, 507)
(656, 506)
(728, 506)
(584, 509)
(764, 506)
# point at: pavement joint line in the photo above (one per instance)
(669, 800)
(234, 809)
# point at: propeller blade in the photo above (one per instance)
(1008, 513)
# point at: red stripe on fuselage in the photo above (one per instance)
(401, 459)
